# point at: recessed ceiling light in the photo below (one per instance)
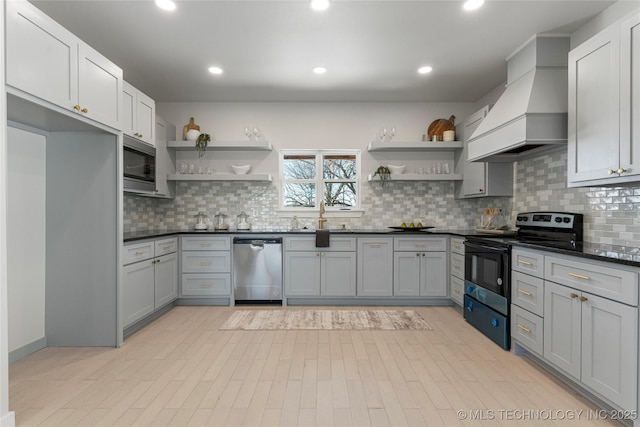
(472, 4)
(319, 70)
(320, 4)
(425, 70)
(215, 70)
(166, 4)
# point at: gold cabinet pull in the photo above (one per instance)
(480, 190)
(374, 245)
(611, 171)
(579, 276)
(165, 247)
(621, 171)
(206, 262)
(573, 295)
(205, 285)
(77, 107)
(317, 253)
(583, 299)
(421, 245)
(206, 243)
(139, 252)
(522, 291)
(527, 330)
(84, 110)
(524, 262)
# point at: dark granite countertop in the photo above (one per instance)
(625, 255)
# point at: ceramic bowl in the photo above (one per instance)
(240, 170)
(397, 169)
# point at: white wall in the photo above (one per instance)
(311, 125)
(26, 237)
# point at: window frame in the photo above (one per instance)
(319, 179)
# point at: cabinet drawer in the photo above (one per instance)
(457, 289)
(457, 265)
(594, 277)
(345, 244)
(206, 284)
(527, 329)
(430, 244)
(527, 292)
(166, 246)
(206, 243)
(206, 262)
(137, 252)
(457, 245)
(527, 262)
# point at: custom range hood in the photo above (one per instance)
(530, 117)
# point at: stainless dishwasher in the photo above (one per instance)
(257, 269)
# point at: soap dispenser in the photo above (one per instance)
(243, 222)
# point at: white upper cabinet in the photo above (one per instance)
(47, 61)
(139, 114)
(604, 75)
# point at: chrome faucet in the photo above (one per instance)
(321, 220)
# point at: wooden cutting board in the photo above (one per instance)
(437, 127)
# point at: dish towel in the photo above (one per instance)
(322, 238)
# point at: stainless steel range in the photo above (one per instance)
(488, 267)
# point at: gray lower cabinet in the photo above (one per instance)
(456, 280)
(150, 277)
(311, 271)
(205, 266)
(375, 267)
(420, 266)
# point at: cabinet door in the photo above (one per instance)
(338, 274)
(375, 267)
(594, 108)
(128, 109)
(302, 273)
(474, 175)
(165, 159)
(166, 279)
(406, 274)
(562, 328)
(630, 95)
(99, 87)
(610, 349)
(146, 118)
(138, 291)
(41, 56)
(434, 274)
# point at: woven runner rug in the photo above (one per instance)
(390, 320)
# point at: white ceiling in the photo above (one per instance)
(267, 48)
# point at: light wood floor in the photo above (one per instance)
(182, 371)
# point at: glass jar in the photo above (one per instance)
(243, 222)
(221, 221)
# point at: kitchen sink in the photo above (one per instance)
(331, 230)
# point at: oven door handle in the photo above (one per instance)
(484, 248)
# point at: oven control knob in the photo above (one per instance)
(499, 281)
(558, 219)
(519, 218)
(566, 219)
(495, 323)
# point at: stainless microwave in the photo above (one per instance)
(139, 166)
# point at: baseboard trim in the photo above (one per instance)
(8, 420)
(140, 324)
(28, 349)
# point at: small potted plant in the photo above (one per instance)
(201, 143)
(385, 175)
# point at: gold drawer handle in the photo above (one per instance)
(579, 276)
(374, 245)
(421, 245)
(165, 247)
(139, 252)
(206, 243)
(527, 330)
(205, 285)
(524, 262)
(573, 295)
(206, 262)
(583, 299)
(522, 291)
(85, 110)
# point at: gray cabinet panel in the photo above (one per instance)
(375, 267)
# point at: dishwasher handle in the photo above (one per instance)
(257, 242)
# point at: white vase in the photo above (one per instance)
(193, 134)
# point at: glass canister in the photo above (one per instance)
(243, 222)
(220, 221)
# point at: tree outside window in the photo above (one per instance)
(310, 176)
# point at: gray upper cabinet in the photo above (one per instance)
(165, 159)
(139, 114)
(481, 179)
(604, 94)
(48, 62)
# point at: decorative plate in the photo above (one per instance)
(410, 228)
